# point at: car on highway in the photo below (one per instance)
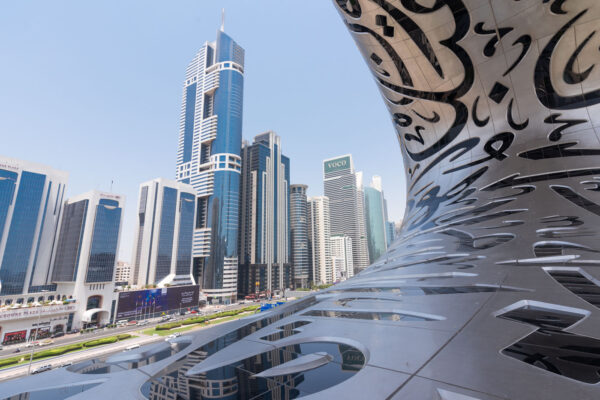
(142, 323)
(46, 342)
(18, 350)
(133, 346)
(172, 336)
(65, 364)
(42, 368)
(31, 344)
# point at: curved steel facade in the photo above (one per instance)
(493, 287)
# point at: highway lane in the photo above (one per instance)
(9, 351)
(21, 370)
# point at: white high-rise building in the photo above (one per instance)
(162, 253)
(341, 257)
(343, 187)
(31, 197)
(86, 253)
(319, 235)
(123, 272)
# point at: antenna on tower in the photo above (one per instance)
(223, 20)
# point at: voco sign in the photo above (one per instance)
(338, 164)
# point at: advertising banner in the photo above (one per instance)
(139, 304)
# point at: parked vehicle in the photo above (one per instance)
(133, 346)
(42, 368)
(46, 342)
(31, 344)
(58, 334)
(122, 322)
(133, 322)
(142, 323)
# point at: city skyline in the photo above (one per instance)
(68, 136)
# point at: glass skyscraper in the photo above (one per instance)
(299, 234)
(86, 252)
(343, 187)
(265, 217)
(162, 252)
(376, 224)
(31, 198)
(210, 142)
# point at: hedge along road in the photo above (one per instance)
(81, 355)
(9, 351)
(77, 356)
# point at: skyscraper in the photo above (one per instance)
(341, 257)
(162, 252)
(343, 187)
(86, 252)
(264, 224)
(319, 232)
(210, 141)
(375, 216)
(31, 198)
(299, 234)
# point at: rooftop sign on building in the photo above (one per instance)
(337, 164)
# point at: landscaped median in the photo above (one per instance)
(165, 329)
(59, 351)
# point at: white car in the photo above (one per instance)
(42, 368)
(133, 346)
(172, 336)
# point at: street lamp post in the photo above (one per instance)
(37, 329)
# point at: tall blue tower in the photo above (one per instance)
(210, 141)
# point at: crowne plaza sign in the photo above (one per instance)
(30, 312)
(337, 164)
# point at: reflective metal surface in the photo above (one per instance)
(492, 289)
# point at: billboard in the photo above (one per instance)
(338, 164)
(140, 303)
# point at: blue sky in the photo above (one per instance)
(94, 88)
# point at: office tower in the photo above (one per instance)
(210, 141)
(376, 219)
(319, 233)
(343, 187)
(363, 244)
(341, 257)
(31, 198)
(123, 273)
(86, 252)
(299, 235)
(264, 236)
(162, 252)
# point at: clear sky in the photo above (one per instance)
(94, 88)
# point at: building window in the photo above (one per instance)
(93, 302)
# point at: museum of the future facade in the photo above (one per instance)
(493, 287)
